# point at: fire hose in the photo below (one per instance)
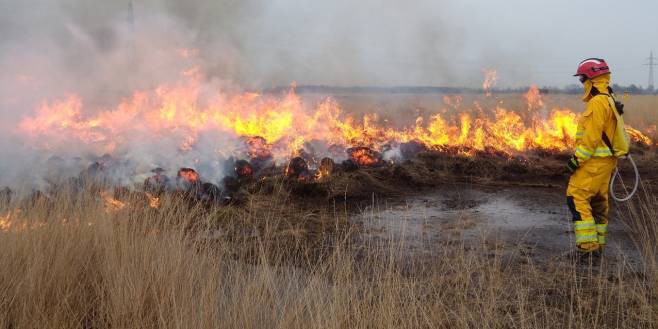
(635, 185)
(616, 174)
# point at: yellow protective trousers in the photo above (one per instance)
(587, 198)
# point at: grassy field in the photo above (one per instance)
(276, 262)
(75, 264)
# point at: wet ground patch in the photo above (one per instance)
(529, 224)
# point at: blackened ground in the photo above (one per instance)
(433, 169)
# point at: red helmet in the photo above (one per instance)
(592, 67)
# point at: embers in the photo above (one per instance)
(364, 156)
(187, 177)
(299, 169)
(296, 166)
(259, 155)
(259, 152)
(191, 187)
(326, 167)
(258, 148)
(243, 169)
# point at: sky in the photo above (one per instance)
(104, 51)
(266, 43)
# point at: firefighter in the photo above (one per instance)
(594, 158)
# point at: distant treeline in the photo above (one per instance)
(570, 89)
(577, 89)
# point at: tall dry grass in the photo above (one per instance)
(71, 264)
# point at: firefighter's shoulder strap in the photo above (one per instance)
(620, 144)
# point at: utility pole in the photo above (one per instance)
(131, 23)
(651, 64)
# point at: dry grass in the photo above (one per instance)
(73, 265)
(274, 262)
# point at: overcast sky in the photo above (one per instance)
(265, 43)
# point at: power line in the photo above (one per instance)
(651, 64)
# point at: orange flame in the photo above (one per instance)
(281, 125)
(112, 205)
(154, 201)
(490, 79)
(364, 156)
(6, 221)
(637, 136)
(533, 99)
(325, 169)
(11, 221)
(189, 175)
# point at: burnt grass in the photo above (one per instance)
(433, 168)
(277, 211)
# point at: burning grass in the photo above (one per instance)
(319, 150)
(271, 244)
(277, 128)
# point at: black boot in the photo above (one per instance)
(592, 258)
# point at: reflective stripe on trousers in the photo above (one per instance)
(602, 232)
(587, 199)
(586, 231)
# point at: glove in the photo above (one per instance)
(572, 164)
(620, 107)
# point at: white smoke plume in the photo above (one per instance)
(104, 51)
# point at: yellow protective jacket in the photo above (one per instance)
(597, 119)
(587, 193)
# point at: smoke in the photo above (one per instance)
(254, 43)
(103, 51)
